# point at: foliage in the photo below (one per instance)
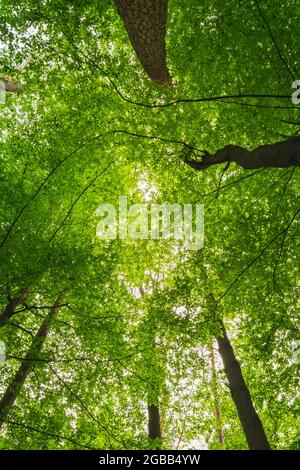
(113, 348)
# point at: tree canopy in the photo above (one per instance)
(138, 335)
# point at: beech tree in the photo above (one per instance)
(250, 421)
(15, 387)
(116, 368)
(279, 155)
(11, 306)
(145, 22)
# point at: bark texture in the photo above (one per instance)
(252, 426)
(10, 308)
(145, 22)
(279, 155)
(13, 390)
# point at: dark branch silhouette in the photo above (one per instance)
(279, 155)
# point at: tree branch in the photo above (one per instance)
(78, 197)
(41, 186)
(283, 232)
(42, 431)
(273, 40)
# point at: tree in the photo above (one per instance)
(219, 427)
(145, 22)
(280, 155)
(154, 422)
(89, 127)
(11, 306)
(13, 87)
(13, 390)
(249, 418)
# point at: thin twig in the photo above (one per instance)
(78, 197)
(273, 39)
(41, 186)
(154, 137)
(283, 232)
(42, 431)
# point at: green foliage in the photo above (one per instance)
(113, 349)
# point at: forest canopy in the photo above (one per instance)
(132, 342)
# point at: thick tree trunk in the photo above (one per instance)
(219, 428)
(10, 308)
(279, 155)
(154, 427)
(15, 387)
(252, 426)
(145, 22)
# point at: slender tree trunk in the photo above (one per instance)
(252, 426)
(10, 308)
(13, 390)
(154, 418)
(279, 155)
(154, 415)
(219, 428)
(154, 427)
(145, 22)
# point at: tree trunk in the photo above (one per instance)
(145, 22)
(219, 428)
(279, 155)
(10, 308)
(154, 419)
(12, 86)
(252, 426)
(15, 387)
(154, 428)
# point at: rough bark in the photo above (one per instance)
(13, 390)
(10, 308)
(154, 428)
(145, 22)
(279, 155)
(252, 426)
(219, 428)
